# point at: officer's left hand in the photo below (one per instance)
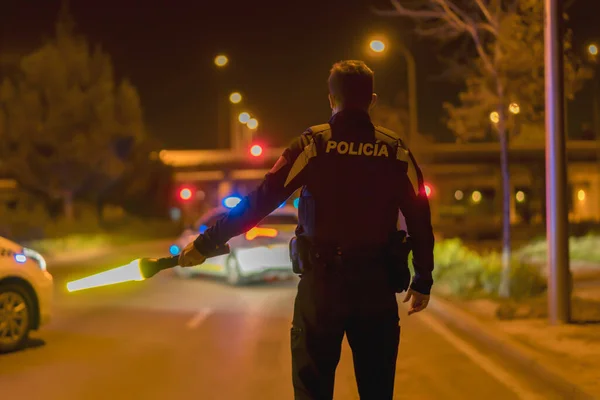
(190, 257)
(419, 301)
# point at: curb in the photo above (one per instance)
(65, 258)
(509, 347)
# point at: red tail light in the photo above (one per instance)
(256, 232)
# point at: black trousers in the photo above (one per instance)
(334, 299)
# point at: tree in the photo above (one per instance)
(64, 121)
(503, 73)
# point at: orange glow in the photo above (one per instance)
(256, 232)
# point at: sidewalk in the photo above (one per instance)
(65, 258)
(567, 356)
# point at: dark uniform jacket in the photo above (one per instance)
(354, 179)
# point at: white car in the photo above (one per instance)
(26, 290)
(261, 253)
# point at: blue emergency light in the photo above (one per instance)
(174, 250)
(296, 202)
(231, 201)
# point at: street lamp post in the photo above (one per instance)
(221, 61)
(379, 46)
(592, 50)
(235, 99)
(557, 222)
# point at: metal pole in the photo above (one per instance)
(557, 222)
(412, 93)
(222, 135)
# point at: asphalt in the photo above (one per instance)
(168, 338)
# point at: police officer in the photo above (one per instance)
(355, 177)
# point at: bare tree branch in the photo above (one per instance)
(487, 13)
(399, 10)
(450, 14)
(488, 27)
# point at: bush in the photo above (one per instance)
(584, 248)
(457, 267)
(466, 273)
(526, 280)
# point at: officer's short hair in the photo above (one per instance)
(351, 83)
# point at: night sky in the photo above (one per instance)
(280, 53)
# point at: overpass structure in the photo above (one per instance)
(465, 179)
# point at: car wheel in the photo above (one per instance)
(184, 273)
(234, 276)
(16, 308)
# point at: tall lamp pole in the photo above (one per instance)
(557, 222)
(378, 46)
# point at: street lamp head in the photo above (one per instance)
(514, 108)
(377, 46)
(252, 123)
(235, 97)
(221, 60)
(494, 117)
(244, 117)
(593, 49)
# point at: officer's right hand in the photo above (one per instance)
(190, 256)
(419, 301)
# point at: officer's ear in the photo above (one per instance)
(331, 101)
(373, 100)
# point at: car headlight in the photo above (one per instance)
(37, 257)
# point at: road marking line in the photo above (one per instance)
(198, 318)
(481, 360)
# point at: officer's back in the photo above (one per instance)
(351, 195)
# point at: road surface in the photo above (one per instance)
(171, 339)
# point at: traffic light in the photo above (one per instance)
(185, 193)
(256, 150)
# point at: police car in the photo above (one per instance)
(25, 294)
(261, 253)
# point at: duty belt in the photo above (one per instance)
(339, 254)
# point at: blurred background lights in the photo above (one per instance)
(427, 190)
(221, 60)
(185, 194)
(174, 250)
(256, 150)
(252, 123)
(377, 46)
(235, 97)
(459, 195)
(231, 201)
(494, 117)
(244, 117)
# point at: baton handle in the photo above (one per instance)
(150, 267)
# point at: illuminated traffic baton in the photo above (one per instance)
(137, 270)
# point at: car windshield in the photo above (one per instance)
(279, 220)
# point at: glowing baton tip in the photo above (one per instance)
(125, 273)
